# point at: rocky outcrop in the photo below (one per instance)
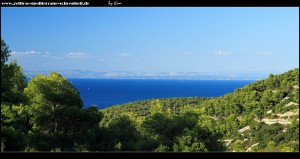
(244, 129)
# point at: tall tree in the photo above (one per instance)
(49, 96)
(56, 108)
(4, 51)
(12, 85)
(13, 81)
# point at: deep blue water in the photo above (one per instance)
(108, 92)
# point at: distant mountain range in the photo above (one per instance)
(160, 75)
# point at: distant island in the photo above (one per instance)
(161, 75)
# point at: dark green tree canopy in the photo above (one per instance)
(52, 91)
(13, 80)
(4, 51)
(52, 99)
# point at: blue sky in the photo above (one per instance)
(153, 39)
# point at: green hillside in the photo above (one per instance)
(262, 116)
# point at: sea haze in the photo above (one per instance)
(107, 92)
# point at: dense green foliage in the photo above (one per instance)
(268, 108)
(46, 114)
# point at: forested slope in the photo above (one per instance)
(262, 116)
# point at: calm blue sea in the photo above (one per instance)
(107, 92)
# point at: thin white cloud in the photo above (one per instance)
(155, 53)
(108, 60)
(116, 60)
(24, 53)
(78, 55)
(264, 53)
(46, 54)
(222, 53)
(125, 54)
(56, 57)
(101, 60)
(185, 53)
(36, 54)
